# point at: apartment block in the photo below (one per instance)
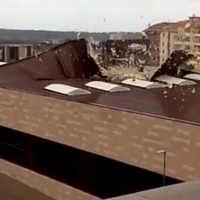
(186, 37)
(13, 52)
(172, 36)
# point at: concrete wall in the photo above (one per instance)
(189, 190)
(164, 42)
(21, 48)
(127, 137)
(50, 187)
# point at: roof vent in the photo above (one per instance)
(108, 87)
(195, 77)
(142, 83)
(66, 89)
(175, 81)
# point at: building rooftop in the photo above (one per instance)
(183, 191)
(11, 189)
(69, 64)
(173, 25)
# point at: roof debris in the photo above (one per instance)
(72, 64)
(178, 64)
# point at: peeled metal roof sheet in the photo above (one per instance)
(69, 64)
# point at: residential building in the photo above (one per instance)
(185, 36)
(12, 52)
(168, 36)
(153, 33)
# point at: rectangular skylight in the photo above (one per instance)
(108, 87)
(142, 83)
(174, 80)
(195, 77)
(3, 63)
(66, 89)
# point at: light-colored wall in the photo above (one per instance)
(22, 52)
(116, 36)
(164, 42)
(50, 187)
(127, 137)
(168, 38)
(120, 135)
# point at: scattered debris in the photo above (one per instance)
(178, 64)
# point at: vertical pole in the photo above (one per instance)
(164, 168)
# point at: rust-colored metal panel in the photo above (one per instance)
(120, 135)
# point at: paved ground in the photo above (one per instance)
(11, 189)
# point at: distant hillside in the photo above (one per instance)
(33, 36)
(7, 35)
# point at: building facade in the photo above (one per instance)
(169, 36)
(13, 52)
(153, 33)
(185, 37)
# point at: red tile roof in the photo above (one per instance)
(171, 25)
(158, 26)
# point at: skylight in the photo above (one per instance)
(175, 81)
(3, 63)
(108, 87)
(66, 89)
(142, 83)
(195, 77)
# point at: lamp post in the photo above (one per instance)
(164, 152)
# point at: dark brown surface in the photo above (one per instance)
(70, 60)
(11, 189)
(178, 103)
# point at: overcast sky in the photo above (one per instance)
(93, 15)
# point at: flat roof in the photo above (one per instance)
(11, 189)
(68, 64)
(184, 191)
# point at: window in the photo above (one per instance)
(187, 39)
(187, 48)
(176, 37)
(197, 39)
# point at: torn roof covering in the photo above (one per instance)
(69, 64)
